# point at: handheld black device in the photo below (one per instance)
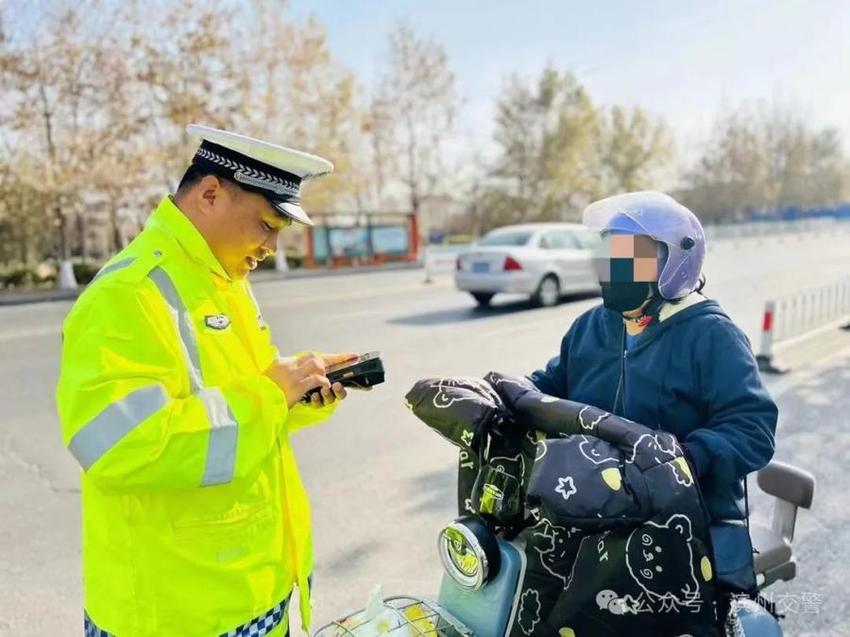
(360, 373)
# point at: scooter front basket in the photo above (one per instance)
(402, 616)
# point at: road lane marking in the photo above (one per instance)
(348, 296)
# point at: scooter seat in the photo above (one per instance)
(771, 550)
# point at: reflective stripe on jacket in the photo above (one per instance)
(195, 519)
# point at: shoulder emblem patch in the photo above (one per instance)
(217, 321)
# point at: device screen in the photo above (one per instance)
(353, 361)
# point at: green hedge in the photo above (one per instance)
(43, 275)
(17, 277)
(85, 272)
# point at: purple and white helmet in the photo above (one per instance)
(666, 221)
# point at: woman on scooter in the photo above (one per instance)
(661, 354)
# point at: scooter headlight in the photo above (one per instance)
(469, 552)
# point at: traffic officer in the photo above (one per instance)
(179, 409)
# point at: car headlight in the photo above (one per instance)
(469, 552)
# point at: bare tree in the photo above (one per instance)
(307, 99)
(97, 96)
(549, 164)
(376, 128)
(56, 79)
(189, 73)
(760, 159)
(635, 147)
(413, 112)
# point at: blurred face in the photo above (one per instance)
(626, 265)
(241, 227)
(625, 258)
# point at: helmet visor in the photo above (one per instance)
(646, 213)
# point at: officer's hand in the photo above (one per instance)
(297, 376)
(330, 395)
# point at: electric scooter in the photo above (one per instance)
(479, 594)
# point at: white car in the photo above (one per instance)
(542, 260)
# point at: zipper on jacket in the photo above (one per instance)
(621, 384)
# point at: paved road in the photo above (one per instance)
(814, 433)
(381, 483)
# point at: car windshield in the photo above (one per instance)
(506, 238)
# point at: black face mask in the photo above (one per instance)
(625, 296)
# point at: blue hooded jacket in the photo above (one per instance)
(693, 375)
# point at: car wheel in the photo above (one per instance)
(482, 299)
(548, 292)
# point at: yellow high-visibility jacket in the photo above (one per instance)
(195, 520)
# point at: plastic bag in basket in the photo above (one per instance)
(379, 619)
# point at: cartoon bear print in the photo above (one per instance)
(508, 380)
(662, 446)
(682, 471)
(590, 449)
(529, 611)
(513, 465)
(443, 399)
(588, 424)
(553, 551)
(666, 450)
(540, 450)
(660, 560)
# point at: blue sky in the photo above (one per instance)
(683, 60)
